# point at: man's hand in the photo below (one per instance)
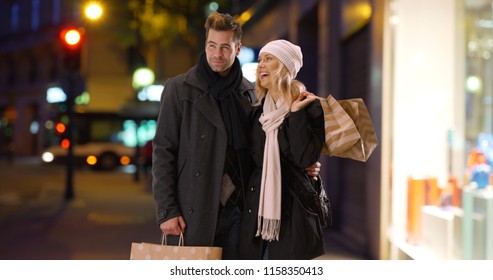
(314, 170)
(173, 226)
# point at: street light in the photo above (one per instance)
(142, 77)
(93, 11)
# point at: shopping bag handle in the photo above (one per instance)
(164, 241)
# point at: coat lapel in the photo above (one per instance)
(210, 110)
(205, 103)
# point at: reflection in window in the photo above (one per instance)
(479, 70)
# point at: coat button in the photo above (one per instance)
(252, 189)
(202, 136)
(190, 210)
(249, 210)
(196, 173)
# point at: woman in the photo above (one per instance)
(286, 137)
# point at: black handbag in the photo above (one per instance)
(322, 202)
(311, 193)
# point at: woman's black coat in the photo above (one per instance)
(300, 137)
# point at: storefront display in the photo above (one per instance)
(441, 73)
(477, 224)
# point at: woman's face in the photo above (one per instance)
(267, 66)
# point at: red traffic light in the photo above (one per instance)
(71, 40)
(71, 37)
(65, 143)
(60, 128)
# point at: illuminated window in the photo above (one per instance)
(14, 17)
(34, 14)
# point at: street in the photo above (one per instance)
(109, 211)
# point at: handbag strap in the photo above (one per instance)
(164, 241)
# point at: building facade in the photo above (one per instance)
(31, 62)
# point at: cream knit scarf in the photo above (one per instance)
(269, 210)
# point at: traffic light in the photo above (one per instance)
(60, 128)
(71, 39)
(61, 131)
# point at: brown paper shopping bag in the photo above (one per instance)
(367, 143)
(341, 132)
(150, 251)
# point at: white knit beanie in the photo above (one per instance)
(288, 53)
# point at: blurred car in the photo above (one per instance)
(99, 155)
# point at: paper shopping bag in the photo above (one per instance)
(340, 130)
(367, 143)
(150, 251)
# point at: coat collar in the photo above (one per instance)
(206, 104)
(192, 78)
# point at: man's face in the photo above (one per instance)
(221, 51)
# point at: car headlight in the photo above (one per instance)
(91, 160)
(47, 157)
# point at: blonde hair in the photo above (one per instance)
(283, 83)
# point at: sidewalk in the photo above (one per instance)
(109, 212)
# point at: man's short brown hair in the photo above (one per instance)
(223, 22)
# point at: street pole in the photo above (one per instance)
(71, 39)
(69, 190)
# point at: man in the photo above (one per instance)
(201, 160)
